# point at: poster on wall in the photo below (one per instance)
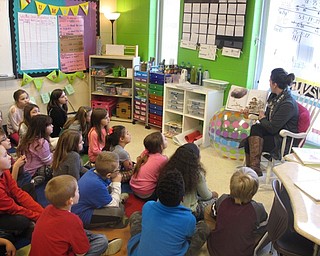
(71, 33)
(219, 23)
(38, 47)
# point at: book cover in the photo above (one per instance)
(240, 98)
(308, 156)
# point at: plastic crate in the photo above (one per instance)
(108, 104)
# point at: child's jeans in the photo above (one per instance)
(98, 244)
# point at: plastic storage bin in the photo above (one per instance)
(176, 95)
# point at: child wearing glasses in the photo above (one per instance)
(100, 193)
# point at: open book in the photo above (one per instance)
(308, 155)
(240, 98)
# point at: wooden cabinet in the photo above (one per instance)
(189, 109)
(111, 83)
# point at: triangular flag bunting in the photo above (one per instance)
(40, 7)
(74, 9)
(61, 76)
(52, 76)
(38, 83)
(24, 3)
(85, 7)
(26, 79)
(80, 74)
(71, 78)
(53, 9)
(65, 10)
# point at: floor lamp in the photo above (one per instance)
(112, 16)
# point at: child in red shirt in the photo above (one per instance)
(18, 210)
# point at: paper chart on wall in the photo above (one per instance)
(224, 22)
(38, 46)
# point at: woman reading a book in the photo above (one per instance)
(281, 113)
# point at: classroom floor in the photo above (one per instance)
(219, 171)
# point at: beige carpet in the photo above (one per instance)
(219, 171)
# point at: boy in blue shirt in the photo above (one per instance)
(165, 227)
(100, 201)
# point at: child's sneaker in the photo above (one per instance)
(124, 197)
(38, 180)
(114, 246)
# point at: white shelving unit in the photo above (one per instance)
(190, 108)
(126, 61)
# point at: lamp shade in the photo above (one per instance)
(112, 15)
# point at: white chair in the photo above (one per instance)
(313, 106)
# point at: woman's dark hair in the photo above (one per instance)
(281, 78)
(187, 161)
(153, 143)
(26, 113)
(114, 136)
(97, 115)
(54, 100)
(36, 130)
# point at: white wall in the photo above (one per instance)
(7, 88)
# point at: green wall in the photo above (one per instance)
(137, 25)
(236, 71)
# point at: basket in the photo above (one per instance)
(124, 91)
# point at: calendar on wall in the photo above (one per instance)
(220, 22)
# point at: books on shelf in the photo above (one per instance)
(310, 187)
(307, 156)
(240, 98)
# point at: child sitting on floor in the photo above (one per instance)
(15, 114)
(100, 201)
(18, 210)
(238, 218)
(81, 123)
(66, 158)
(98, 132)
(116, 140)
(165, 227)
(60, 232)
(146, 172)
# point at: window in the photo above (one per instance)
(168, 32)
(289, 39)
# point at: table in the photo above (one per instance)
(306, 210)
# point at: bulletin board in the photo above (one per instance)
(214, 22)
(53, 35)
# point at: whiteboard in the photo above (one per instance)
(5, 41)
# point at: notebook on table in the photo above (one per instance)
(308, 156)
(310, 187)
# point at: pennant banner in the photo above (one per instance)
(80, 74)
(52, 76)
(75, 9)
(53, 9)
(65, 10)
(85, 7)
(24, 3)
(26, 79)
(40, 7)
(61, 76)
(71, 78)
(38, 82)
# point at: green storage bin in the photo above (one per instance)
(156, 92)
(141, 85)
(157, 87)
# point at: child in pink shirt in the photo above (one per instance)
(145, 177)
(98, 132)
